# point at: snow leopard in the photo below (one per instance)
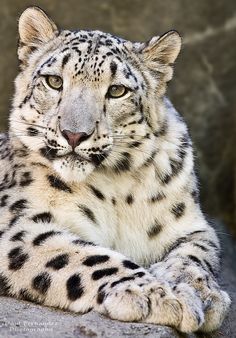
(99, 201)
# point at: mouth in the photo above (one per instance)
(94, 158)
(76, 157)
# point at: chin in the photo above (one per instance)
(73, 172)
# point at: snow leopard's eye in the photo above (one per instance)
(116, 91)
(54, 81)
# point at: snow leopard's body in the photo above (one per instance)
(128, 186)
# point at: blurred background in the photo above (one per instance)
(204, 86)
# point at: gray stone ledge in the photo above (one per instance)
(23, 319)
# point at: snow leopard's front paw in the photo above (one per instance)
(179, 308)
(215, 302)
(195, 287)
(142, 299)
(127, 302)
(216, 308)
(152, 302)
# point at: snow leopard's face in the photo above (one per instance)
(86, 99)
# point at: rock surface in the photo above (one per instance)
(203, 89)
(25, 320)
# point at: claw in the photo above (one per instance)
(207, 304)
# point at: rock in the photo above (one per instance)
(26, 320)
(23, 320)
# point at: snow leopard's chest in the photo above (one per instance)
(126, 214)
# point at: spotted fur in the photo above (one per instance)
(73, 210)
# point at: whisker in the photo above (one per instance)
(24, 132)
(29, 124)
(24, 135)
(126, 135)
(137, 149)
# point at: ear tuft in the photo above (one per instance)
(35, 28)
(163, 49)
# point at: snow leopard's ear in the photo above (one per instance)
(161, 52)
(35, 29)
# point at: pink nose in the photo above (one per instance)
(74, 139)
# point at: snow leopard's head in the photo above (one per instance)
(88, 99)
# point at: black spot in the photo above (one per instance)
(210, 243)
(122, 280)
(97, 192)
(113, 200)
(3, 200)
(101, 293)
(210, 268)
(104, 109)
(87, 212)
(40, 239)
(26, 179)
(150, 159)
(139, 274)
(58, 184)
(65, 60)
(164, 178)
(100, 297)
(97, 159)
(38, 164)
(157, 197)
(123, 164)
(22, 152)
(18, 206)
(26, 295)
(82, 242)
(98, 274)
(113, 67)
(162, 131)
(130, 265)
(13, 221)
(195, 196)
(95, 259)
(4, 285)
(49, 153)
(197, 232)
(32, 131)
(18, 236)
(195, 259)
(74, 287)
(130, 199)
(130, 124)
(58, 262)
(17, 258)
(134, 144)
(178, 210)
(176, 167)
(176, 245)
(200, 246)
(141, 120)
(45, 217)
(66, 48)
(154, 230)
(42, 282)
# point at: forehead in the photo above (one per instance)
(89, 52)
(87, 46)
(95, 41)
